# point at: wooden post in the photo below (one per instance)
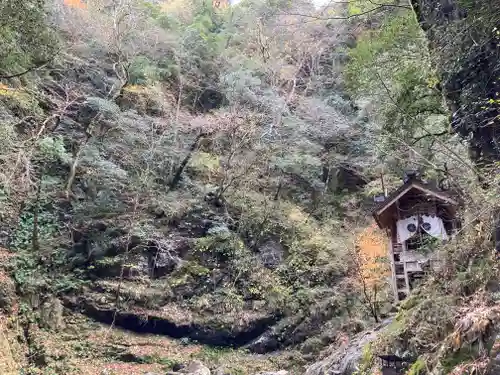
(393, 269)
(383, 184)
(404, 258)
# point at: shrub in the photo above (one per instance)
(25, 37)
(417, 368)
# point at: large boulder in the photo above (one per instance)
(4, 236)
(196, 368)
(271, 253)
(7, 292)
(265, 343)
(220, 371)
(345, 358)
(166, 255)
(97, 109)
(51, 314)
(145, 100)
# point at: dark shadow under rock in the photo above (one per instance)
(206, 335)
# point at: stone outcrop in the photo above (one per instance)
(7, 292)
(464, 45)
(197, 368)
(51, 314)
(140, 321)
(344, 359)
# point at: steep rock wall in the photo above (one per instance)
(465, 45)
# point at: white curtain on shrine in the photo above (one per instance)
(407, 228)
(434, 226)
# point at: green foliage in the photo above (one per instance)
(247, 276)
(274, 290)
(215, 354)
(19, 102)
(204, 163)
(418, 367)
(228, 300)
(144, 71)
(222, 243)
(197, 54)
(195, 269)
(361, 7)
(107, 109)
(25, 38)
(312, 257)
(52, 149)
(476, 275)
(47, 228)
(390, 66)
(367, 360)
(398, 31)
(34, 272)
(461, 356)
(155, 358)
(354, 8)
(46, 267)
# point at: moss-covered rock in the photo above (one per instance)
(145, 100)
(51, 314)
(8, 297)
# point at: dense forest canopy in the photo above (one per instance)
(206, 171)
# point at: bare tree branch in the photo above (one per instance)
(376, 9)
(32, 69)
(402, 111)
(418, 139)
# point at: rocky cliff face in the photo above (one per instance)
(464, 43)
(345, 359)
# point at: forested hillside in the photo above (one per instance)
(187, 186)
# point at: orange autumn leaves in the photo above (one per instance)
(371, 254)
(75, 4)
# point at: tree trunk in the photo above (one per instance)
(278, 190)
(35, 240)
(74, 165)
(123, 76)
(374, 305)
(497, 232)
(185, 161)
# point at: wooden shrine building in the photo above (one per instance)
(415, 217)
